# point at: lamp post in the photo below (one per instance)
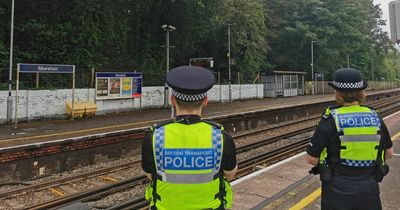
(229, 60)
(9, 98)
(348, 61)
(372, 69)
(312, 66)
(167, 29)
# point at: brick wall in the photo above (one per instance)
(30, 161)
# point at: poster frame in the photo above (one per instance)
(120, 75)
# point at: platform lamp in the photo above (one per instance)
(229, 60)
(167, 29)
(9, 98)
(312, 66)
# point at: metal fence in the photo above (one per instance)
(85, 79)
(324, 88)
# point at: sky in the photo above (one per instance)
(385, 10)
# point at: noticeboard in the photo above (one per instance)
(117, 85)
(206, 62)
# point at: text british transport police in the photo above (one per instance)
(188, 159)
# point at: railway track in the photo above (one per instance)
(100, 173)
(247, 165)
(92, 194)
(70, 185)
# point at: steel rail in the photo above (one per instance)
(90, 194)
(58, 182)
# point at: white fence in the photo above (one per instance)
(35, 104)
(323, 87)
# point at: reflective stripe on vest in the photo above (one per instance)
(159, 144)
(188, 160)
(358, 129)
(323, 156)
(360, 138)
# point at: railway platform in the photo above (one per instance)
(115, 141)
(48, 130)
(287, 184)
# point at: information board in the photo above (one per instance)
(116, 85)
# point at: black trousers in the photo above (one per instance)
(351, 193)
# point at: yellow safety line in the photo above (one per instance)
(108, 178)
(79, 131)
(396, 137)
(57, 192)
(307, 200)
(310, 198)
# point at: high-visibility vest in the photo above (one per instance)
(188, 164)
(359, 134)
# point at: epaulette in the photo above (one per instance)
(212, 123)
(327, 114)
(155, 126)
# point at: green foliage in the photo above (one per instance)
(268, 34)
(392, 65)
(3, 36)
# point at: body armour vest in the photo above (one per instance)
(188, 164)
(359, 134)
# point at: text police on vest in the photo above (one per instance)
(188, 159)
(358, 120)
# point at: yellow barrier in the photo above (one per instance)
(81, 109)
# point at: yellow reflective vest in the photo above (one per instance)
(359, 134)
(188, 164)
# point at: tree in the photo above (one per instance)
(269, 34)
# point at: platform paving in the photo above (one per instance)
(285, 184)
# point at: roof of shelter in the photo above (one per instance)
(287, 72)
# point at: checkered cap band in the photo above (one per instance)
(344, 85)
(187, 97)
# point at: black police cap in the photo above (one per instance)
(190, 83)
(348, 79)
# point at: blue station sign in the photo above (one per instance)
(45, 68)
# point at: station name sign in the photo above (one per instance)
(45, 68)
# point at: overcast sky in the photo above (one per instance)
(385, 10)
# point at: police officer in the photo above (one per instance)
(189, 160)
(349, 147)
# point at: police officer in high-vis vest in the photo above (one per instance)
(349, 147)
(189, 160)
